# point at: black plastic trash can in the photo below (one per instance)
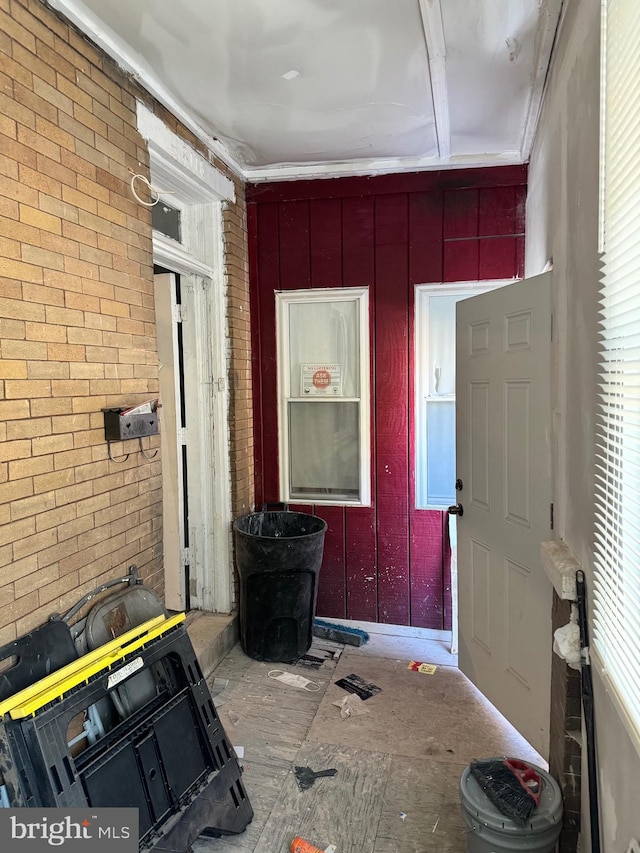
(278, 555)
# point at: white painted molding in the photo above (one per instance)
(177, 167)
(431, 13)
(549, 20)
(169, 254)
(117, 48)
(338, 169)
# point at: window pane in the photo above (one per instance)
(442, 343)
(441, 453)
(324, 450)
(325, 334)
(166, 220)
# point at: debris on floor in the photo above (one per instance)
(354, 684)
(321, 653)
(339, 633)
(301, 845)
(418, 666)
(351, 706)
(305, 776)
(294, 680)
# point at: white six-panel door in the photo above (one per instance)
(503, 462)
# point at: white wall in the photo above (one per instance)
(562, 223)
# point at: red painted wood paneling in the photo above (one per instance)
(361, 562)
(426, 252)
(460, 260)
(332, 592)
(460, 214)
(497, 211)
(427, 590)
(409, 182)
(497, 257)
(392, 409)
(387, 562)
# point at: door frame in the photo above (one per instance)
(199, 190)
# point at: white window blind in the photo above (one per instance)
(616, 596)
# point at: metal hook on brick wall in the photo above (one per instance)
(147, 455)
(113, 458)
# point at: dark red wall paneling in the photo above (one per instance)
(388, 562)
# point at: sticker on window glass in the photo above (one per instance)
(321, 379)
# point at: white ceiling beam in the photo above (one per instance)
(431, 13)
(548, 24)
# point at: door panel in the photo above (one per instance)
(503, 460)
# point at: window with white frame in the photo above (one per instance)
(323, 391)
(435, 388)
(616, 578)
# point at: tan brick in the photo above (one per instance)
(90, 337)
(91, 155)
(52, 444)
(35, 580)
(86, 371)
(35, 543)
(99, 288)
(24, 349)
(91, 88)
(74, 94)
(13, 369)
(44, 332)
(8, 208)
(70, 388)
(73, 494)
(42, 294)
(61, 246)
(28, 428)
(19, 270)
(18, 608)
(79, 233)
(77, 267)
(38, 143)
(64, 316)
(81, 200)
(58, 552)
(55, 517)
(19, 449)
(17, 191)
(56, 406)
(15, 71)
(88, 404)
(20, 389)
(32, 24)
(16, 530)
(73, 529)
(56, 480)
(58, 208)
(48, 370)
(40, 219)
(115, 309)
(111, 214)
(15, 311)
(66, 352)
(32, 505)
(72, 458)
(23, 468)
(14, 410)
(88, 438)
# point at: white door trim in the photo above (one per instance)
(199, 191)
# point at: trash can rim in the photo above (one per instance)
(322, 529)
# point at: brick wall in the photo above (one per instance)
(77, 326)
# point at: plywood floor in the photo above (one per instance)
(398, 764)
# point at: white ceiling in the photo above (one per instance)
(306, 88)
